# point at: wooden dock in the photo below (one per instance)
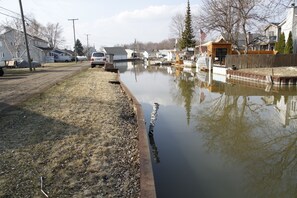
(277, 76)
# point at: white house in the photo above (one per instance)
(145, 54)
(274, 30)
(129, 53)
(168, 54)
(119, 53)
(287, 109)
(12, 45)
(290, 24)
(272, 33)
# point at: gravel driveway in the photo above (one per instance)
(17, 85)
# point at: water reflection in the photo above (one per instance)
(154, 147)
(237, 127)
(234, 139)
(186, 86)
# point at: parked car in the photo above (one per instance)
(82, 58)
(98, 58)
(62, 58)
(21, 63)
(2, 65)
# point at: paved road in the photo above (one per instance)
(18, 85)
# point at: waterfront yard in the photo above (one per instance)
(78, 139)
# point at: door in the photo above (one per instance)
(221, 55)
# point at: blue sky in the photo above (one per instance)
(107, 22)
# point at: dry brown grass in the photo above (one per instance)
(80, 136)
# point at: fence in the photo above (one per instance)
(261, 60)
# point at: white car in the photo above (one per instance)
(98, 58)
(63, 58)
(81, 58)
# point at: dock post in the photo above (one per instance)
(209, 70)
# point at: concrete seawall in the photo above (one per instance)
(276, 76)
(147, 184)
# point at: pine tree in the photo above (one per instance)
(289, 45)
(280, 45)
(188, 38)
(79, 48)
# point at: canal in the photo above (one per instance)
(210, 138)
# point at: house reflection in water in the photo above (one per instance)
(285, 106)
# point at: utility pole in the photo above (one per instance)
(75, 53)
(87, 45)
(25, 34)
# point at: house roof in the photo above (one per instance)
(283, 22)
(45, 48)
(7, 29)
(69, 52)
(271, 24)
(59, 51)
(115, 50)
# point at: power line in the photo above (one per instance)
(14, 13)
(10, 16)
(10, 10)
(18, 18)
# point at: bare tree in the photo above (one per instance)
(217, 15)
(34, 28)
(53, 34)
(232, 17)
(177, 25)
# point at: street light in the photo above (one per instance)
(75, 52)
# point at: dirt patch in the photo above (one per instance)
(80, 137)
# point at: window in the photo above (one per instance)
(98, 54)
(271, 33)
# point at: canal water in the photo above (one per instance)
(210, 138)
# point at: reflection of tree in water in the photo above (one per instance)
(233, 125)
(154, 115)
(187, 90)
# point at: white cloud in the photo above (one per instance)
(115, 23)
(149, 13)
(148, 24)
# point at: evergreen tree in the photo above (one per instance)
(289, 44)
(280, 45)
(79, 48)
(188, 38)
